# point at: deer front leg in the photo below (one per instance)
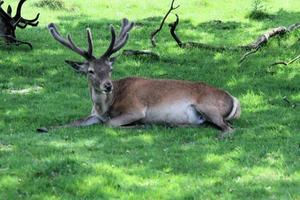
(88, 121)
(125, 119)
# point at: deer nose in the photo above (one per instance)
(108, 87)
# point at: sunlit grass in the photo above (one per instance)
(157, 162)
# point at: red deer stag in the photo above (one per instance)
(9, 23)
(130, 100)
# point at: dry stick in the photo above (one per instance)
(286, 63)
(263, 39)
(152, 35)
(145, 53)
(181, 44)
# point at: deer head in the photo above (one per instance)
(98, 70)
(9, 23)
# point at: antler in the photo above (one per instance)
(6, 16)
(117, 43)
(17, 20)
(70, 44)
(25, 22)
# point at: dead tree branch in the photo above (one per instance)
(286, 62)
(141, 53)
(251, 48)
(152, 35)
(263, 39)
(198, 45)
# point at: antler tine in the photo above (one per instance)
(123, 36)
(19, 8)
(108, 52)
(27, 23)
(31, 22)
(117, 44)
(90, 41)
(69, 42)
(9, 10)
(3, 13)
(123, 28)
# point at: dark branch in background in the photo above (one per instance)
(286, 62)
(198, 45)
(263, 39)
(152, 35)
(251, 48)
(141, 53)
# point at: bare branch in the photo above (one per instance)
(173, 27)
(252, 51)
(264, 38)
(286, 63)
(141, 53)
(152, 35)
(198, 45)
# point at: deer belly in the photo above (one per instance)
(177, 113)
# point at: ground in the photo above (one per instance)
(261, 161)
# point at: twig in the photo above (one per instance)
(248, 54)
(143, 53)
(286, 63)
(152, 35)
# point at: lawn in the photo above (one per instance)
(261, 161)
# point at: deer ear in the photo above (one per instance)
(79, 67)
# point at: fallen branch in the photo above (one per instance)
(264, 38)
(251, 48)
(141, 53)
(152, 35)
(286, 63)
(198, 45)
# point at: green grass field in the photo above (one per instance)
(262, 160)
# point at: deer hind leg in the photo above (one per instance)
(126, 119)
(212, 115)
(87, 121)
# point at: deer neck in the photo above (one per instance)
(102, 101)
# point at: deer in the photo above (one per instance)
(9, 23)
(132, 100)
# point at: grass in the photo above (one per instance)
(262, 161)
